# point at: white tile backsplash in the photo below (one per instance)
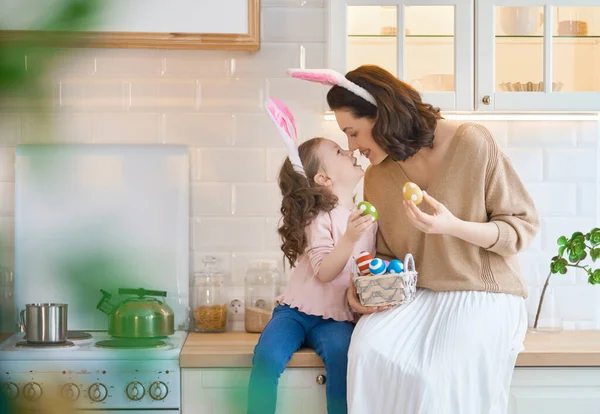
(213, 101)
(529, 163)
(92, 94)
(56, 127)
(211, 199)
(589, 133)
(126, 128)
(232, 164)
(554, 227)
(7, 232)
(256, 199)
(292, 24)
(7, 164)
(271, 60)
(7, 199)
(232, 94)
(554, 199)
(587, 199)
(547, 134)
(121, 63)
(198, 129)
(571, 165)
(10, 129)
(228, 233)
(196, 63)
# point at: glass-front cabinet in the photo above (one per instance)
(487, 55)
(538, 57)
(426, 43)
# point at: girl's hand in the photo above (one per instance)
(357, 225)
(357, 307)
(442, 221)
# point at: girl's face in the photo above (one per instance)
(339, 168)
(358, 131)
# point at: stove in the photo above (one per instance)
(95, 378)
(102, 217)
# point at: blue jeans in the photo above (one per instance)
(288, 330)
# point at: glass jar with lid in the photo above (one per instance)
(262, 287)
(209, 299)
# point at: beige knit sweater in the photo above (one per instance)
(476, 183)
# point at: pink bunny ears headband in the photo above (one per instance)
(284, 121)
(332, 78)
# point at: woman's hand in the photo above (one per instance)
(357, 307)
(442, 221)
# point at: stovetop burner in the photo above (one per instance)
(25, 344)
(131, 343)
(74, 335)
(78, 335)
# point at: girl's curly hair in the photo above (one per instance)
(302, 201)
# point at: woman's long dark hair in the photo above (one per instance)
(403, 122)
(302, 200)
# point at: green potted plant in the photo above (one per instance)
(577, 249)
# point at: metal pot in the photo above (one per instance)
(45, 323)
(140, 316)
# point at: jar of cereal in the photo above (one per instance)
(209, 299)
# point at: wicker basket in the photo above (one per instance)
(389, 289)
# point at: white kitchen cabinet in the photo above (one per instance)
(537, 57)
(529, 56)
(555, 391)
(224, 391)
(428, 43)
(537, 390)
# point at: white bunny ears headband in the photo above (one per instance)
(284, 120)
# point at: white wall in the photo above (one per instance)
(212, 101)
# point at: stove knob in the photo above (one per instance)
(32, 391)
(158, 390)
(11, 390)
(97, 392)
(135, 391)
(70, 392)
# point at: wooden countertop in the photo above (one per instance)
(235, 349)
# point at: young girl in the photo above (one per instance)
(320, 232)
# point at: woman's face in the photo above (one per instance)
(358, 131)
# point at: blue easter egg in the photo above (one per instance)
(395, 266)
(377, 266)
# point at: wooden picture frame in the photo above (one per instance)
(145, 40)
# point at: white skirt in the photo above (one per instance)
(444, 353)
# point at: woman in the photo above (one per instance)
(453, 349)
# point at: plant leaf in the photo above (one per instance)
(562, 241)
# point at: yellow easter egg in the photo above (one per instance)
(411, 191)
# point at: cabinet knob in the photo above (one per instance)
(486, 100)
(321, 379)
